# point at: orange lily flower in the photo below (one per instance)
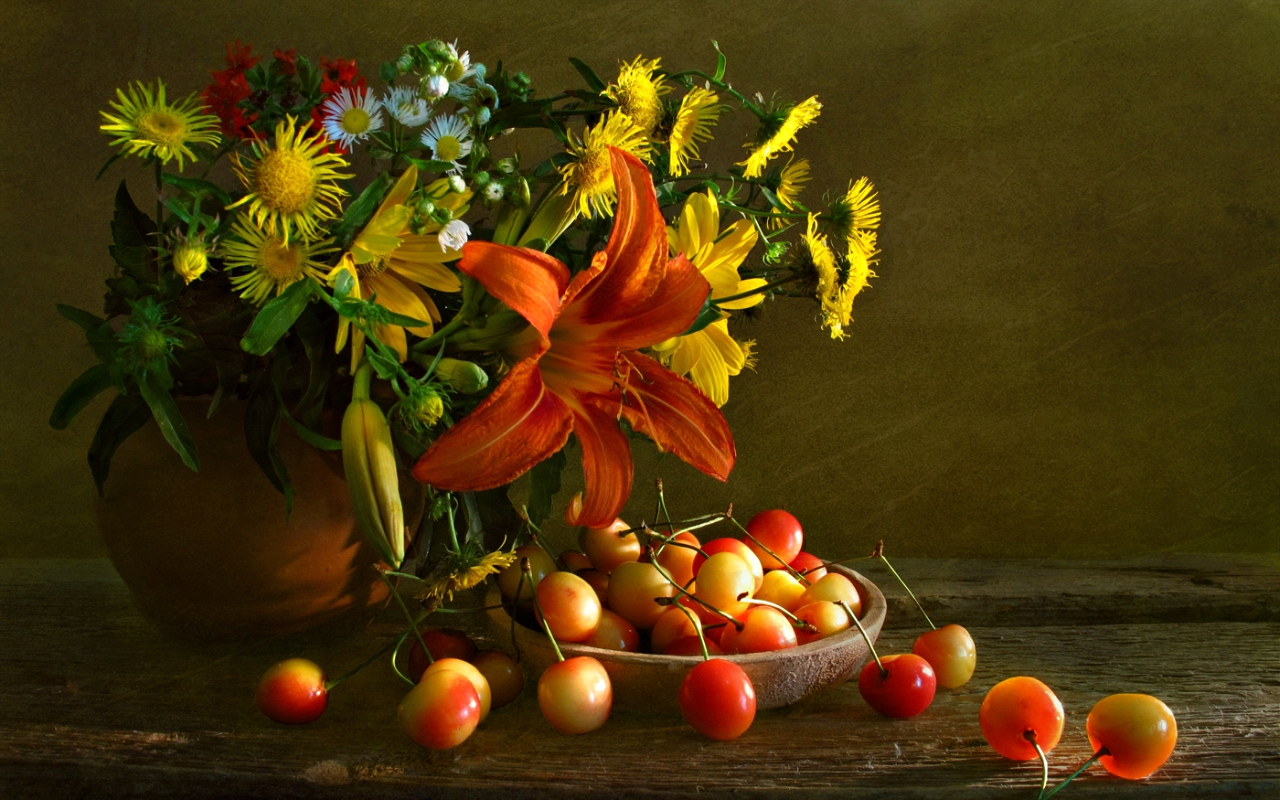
(581, 371)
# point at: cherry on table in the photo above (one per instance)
(718, 700)
(575, 695)
(441, 643)
(293, 692)
(904, 689)
(951, 652)
(478, 681)
(441, 711)
(506, 679)
(1015, 707)
(1137, 730)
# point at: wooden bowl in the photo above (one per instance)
(646, 681)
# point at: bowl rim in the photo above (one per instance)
(874, 610)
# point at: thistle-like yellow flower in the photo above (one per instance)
(293, 186)
(271, 264)
(146, 125)
(837, 283)
(590, 174)
(791, 182)
(190, 257)
(710, 356)
(699, 110)
(855, 213)
(639, 94)
(389, 262)
(777, 133)
(463, 571)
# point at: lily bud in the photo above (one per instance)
(464, 376)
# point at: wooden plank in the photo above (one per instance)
(94, 703)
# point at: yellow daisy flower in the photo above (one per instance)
(855, 213)
(271, 264)
(464, 572)
(790, 183)
(292, 187)
(638, 94)
(778, 132)
(146, 125)
(590, 174)
(837, 284)
(699, 110)
(391, 262)
(710, 356)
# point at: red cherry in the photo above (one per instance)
(1138, 730)
(718, 700)
(809, 565)
(506, 679)
(906, 689)
(441, 643)
(614, 633)
(690, 646)
(575, 695)
(764, 629)
(778, 531)
(441, 711)
(607, 549)
(1013, 708)
(951, 653)
(293, 692)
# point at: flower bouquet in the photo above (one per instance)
(394, 253)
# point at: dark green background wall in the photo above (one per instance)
(1072, 347)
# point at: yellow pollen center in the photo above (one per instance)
(280, 262)
(448, 148)
(597, 171)
(162, 127)
(355, 121)
(285, 181)
(638, 99)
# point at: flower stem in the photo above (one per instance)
(884, 673)
(1102, 751)
(408, 615)
(758, 290)
(330, 685)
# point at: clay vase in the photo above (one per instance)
(210, 556)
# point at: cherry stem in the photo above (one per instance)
(905, 586)
(884, 673)
(807, 627)
(407, 615)
(395, 654)
(528, 570)
(331, 685)
(1102, 751)
(1030, 736)
(653, 558)
(697, 627)
(798, 576)
(535, 533)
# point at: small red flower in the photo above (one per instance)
(286, 61)
(229, 89)
(339, 73)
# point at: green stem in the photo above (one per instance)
(798, 576)
(909, 592)
(159, 203)
(884, 673)
(721, 85)
(330, 685)
(807, 627)
(680, 591)
(453, 529)
(1030, 736)
(361, 381)
(537, 607)
(758, 290)
(408, 615)
(1102, 751)
(466, 610)
(697, 627)
(394, 654)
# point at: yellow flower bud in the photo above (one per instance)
(190, 259)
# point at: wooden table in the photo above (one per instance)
(94, 703)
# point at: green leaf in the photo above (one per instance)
(773, 199)
(387, 368)
(721, 61)
(229, 366)
(361, 209)
(90, 322)
(131, 233)
(309, 436)
(544, 484)
(82, 390)
(169, 418)
(262, 435)
(319, 356)
(277, 317)
(405, 321)
(588, 74)
(126, 414)
(388, 72)
(344, 284)
(196, 186)
(709, 314)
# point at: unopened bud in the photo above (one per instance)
(463, 376)
(190, 259)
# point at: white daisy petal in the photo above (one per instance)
(350, 115)
(449, 138)
(454, 235)
(407, 107)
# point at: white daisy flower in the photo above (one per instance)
(449, 138)
(454, 235)
(404, 104)
(435, 87)
(493, 192)
(460, 69)
(350, 115)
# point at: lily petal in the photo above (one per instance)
(606, 464)
(529, 281)
(515, 427)
(667, 312)
(678, 417)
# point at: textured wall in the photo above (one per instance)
(1072, 347)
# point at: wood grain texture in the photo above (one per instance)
(93, 703)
